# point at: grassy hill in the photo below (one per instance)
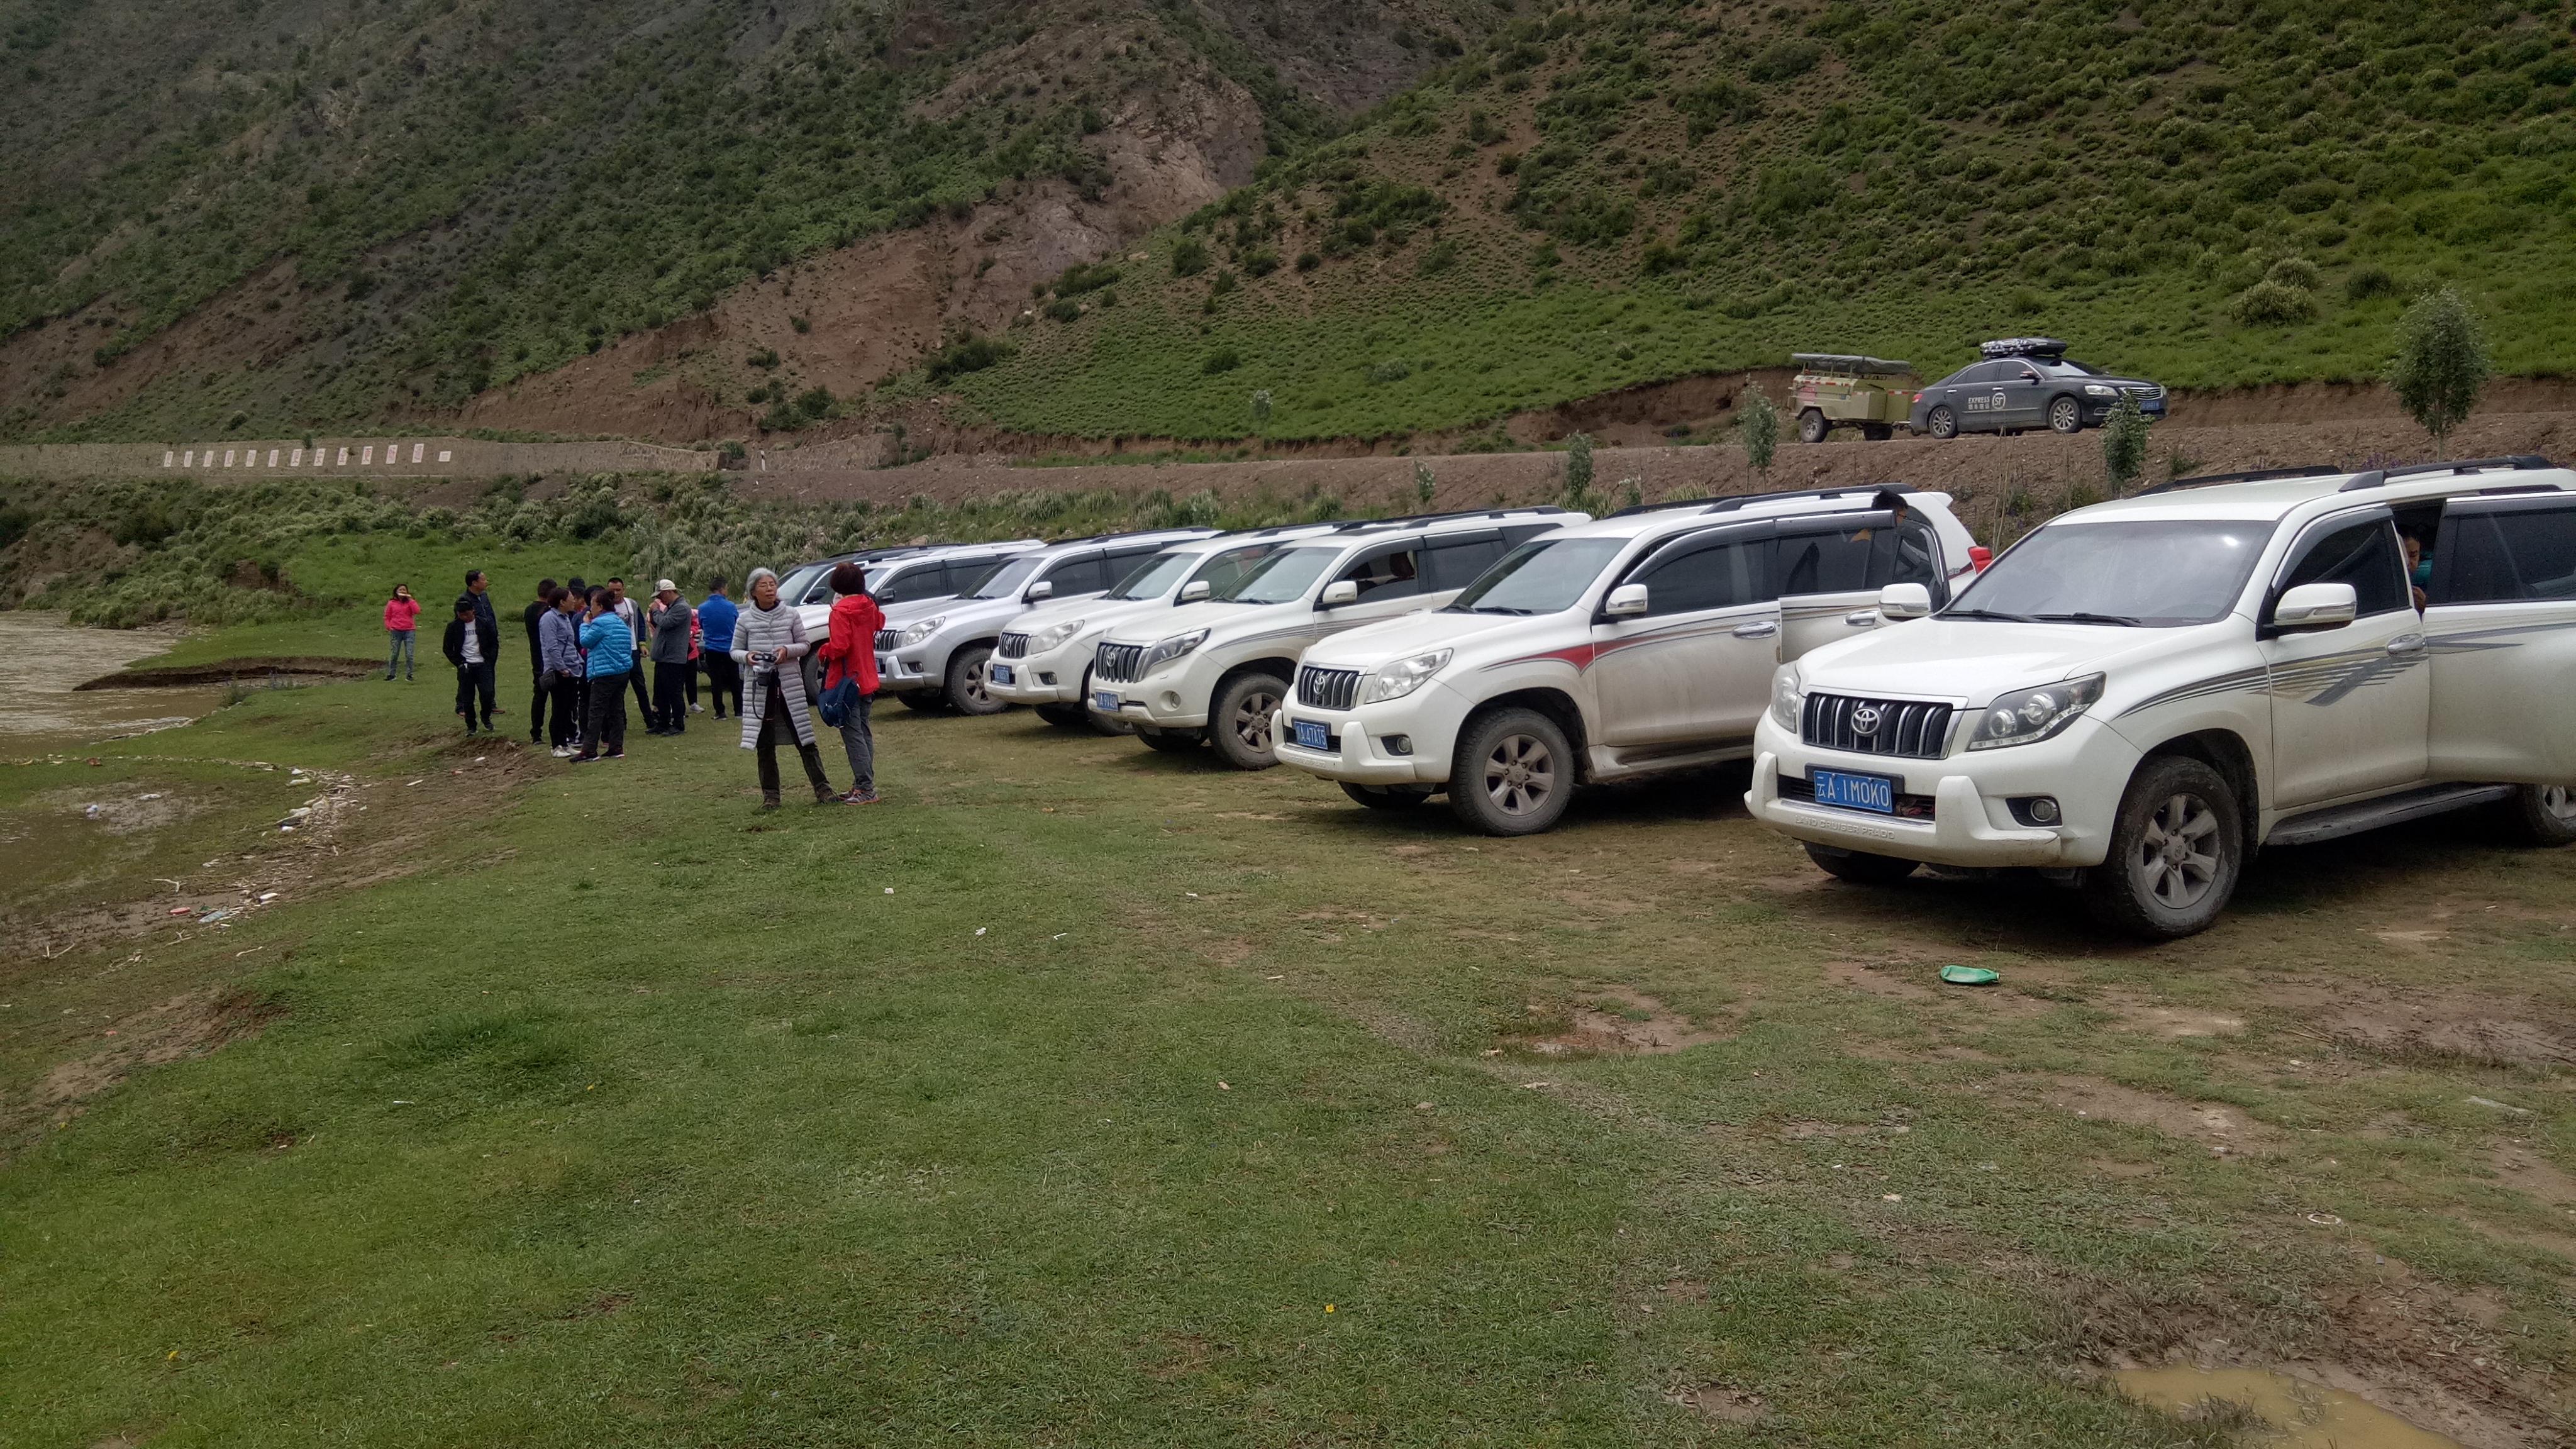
(2207, 193)
(390, 207)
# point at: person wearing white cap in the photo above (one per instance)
(672, 618)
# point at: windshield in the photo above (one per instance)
(1283, 576)
(797, 582)
(1153, 578)
(2069, 367)
(1539, 577)
(2162, 574)
(1012, 575)
(967, 575)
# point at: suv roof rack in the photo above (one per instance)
(1412, 519)
(1130, 533)
(2256, 475)
(1736, 501)
(2378, 477)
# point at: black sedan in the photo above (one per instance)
(2026, 383)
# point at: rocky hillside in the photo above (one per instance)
(271, 214)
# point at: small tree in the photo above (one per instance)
(1424, 485)
(2441, 363)
(2124, 444)
(1758, 422)
(1260, 412)
(1578, 474)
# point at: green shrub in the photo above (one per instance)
(2296, 272)
(1260, 262)
(1189, 257)
(1390, 371)
(2272, 304)
(1224, 359)
(1308, 261)
(967, 352)
(1063, 309)
(1785, 60)
(2441, 364)
(2367, 281)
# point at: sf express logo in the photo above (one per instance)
(1993, 403)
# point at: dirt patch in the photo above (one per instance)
(1883, 980)
(2450, 1031)
(1622, 1021)
(2523, 1168)
(1722, 1405)
(2159, 1019)
(2211, 1124)
(179, 1028)
(319, 666)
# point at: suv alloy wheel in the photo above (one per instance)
(1941, 423)
(2177, 850)
(966, 691)
(1514, 773)
(2542, 814)
(1239, 721)
(2066, 415)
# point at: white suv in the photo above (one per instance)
(1044, 657)
(1219, 669)
(2140, 694)
(1641, 642)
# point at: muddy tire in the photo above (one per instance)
(924, 701)
(2065, 415)
(965, 691)
(1942, 423)
(1387, 797)
(2177, 851)
(1239, 720)
(1859, 866)
(1514, 773)
(1168, 742)
(1064, 716)
(1877, 432)
(2542, 815)
(1812, 426)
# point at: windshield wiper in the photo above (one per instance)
(2080, 617)
(1987, 614)
(1495, 609)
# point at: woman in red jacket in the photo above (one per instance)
(850, 652)
(402, 616)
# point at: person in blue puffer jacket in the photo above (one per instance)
(609, 642)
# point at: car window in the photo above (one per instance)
(1715, 575)
(1283, 576)
(1838, 562)
(2364, 555)
(1006, 579)
(1226, 566)
(2157, 574)
(923, 581)
(1148, 578)
(1085, 575)
(1539, 577)
(1916, 559)
(1389, 573)
(2505, 557)
(1454, 563)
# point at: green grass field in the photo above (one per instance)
(1083, 1095)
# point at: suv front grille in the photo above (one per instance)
(887, 638)
(1118, 663)
(1013, 646)
(1328, 688)
(1905, 727)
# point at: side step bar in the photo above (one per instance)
(2343, 820)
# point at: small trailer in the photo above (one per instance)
(1836, 389)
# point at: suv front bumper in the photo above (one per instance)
(1971, 820)
(1362, 744)
(1171, 698)
(1054, 677)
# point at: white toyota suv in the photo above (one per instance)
(932, 654)
(2138, 695)
(1218, 670)
(1044, 657)
(1642, 642)
(901, 575)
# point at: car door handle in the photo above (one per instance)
(1861, 618)
(2406, 644)
(1763, 629)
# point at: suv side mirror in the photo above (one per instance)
(2313, 607)
(1904, 601)
(1195, 590)
(1625, 602)
(1346, 591)
(1041, 590)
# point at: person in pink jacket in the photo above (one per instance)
(402, 612)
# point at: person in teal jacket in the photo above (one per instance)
(608, 643)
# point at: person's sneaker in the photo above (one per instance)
(700, 709)
(563, 752)
(585, 759)
(859, 797)
(614, 755)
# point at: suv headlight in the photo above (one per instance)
(2096, 389)
(1404, 676)
(919, 632)
(1787, 696)
(1051, 638)
(1174, 647)
(2027, 716)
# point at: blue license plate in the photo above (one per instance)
(1105, 700)
(1311, 736)
(1001, 674)
(1846, 791)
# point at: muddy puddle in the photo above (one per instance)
(2296, 1414)
(42, 659)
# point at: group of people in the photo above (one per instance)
(588, 644)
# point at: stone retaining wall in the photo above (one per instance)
(378, 456)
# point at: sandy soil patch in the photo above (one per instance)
(2212, 1124)
(185, 1026)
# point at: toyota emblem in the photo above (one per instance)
(1865, 720)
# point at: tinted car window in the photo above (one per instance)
(926, 581)
(1828, 563)
(1454, 563)
(2505, 557)
(2365, 556)
(1227, 566)
(1715, 575)
(1386, 573)
(2158, 574)
(1079, 576)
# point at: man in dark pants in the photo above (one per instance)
(671, 621)
(639, 644)
(715, 646)
(533, 615)
(470, 645)
(479, 589)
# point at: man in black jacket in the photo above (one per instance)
(532, 616)
(479, 590)
(471, 644)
